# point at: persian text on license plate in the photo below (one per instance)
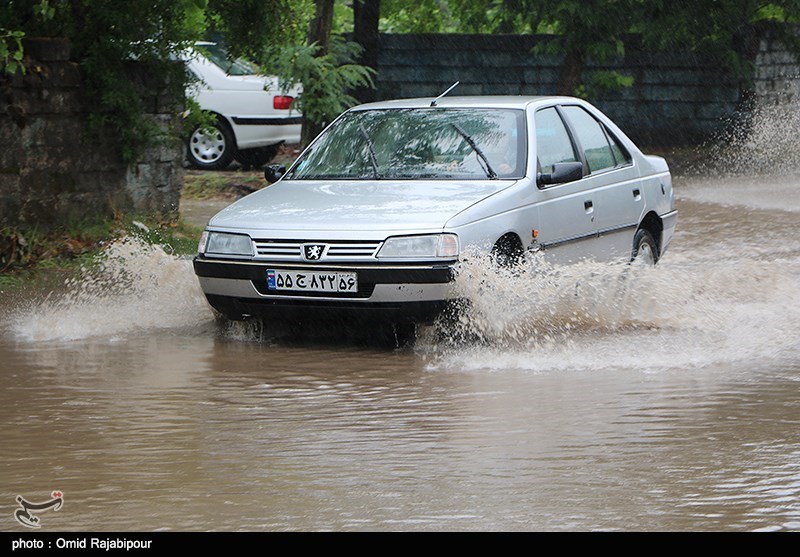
(311, 281)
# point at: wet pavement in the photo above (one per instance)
(595, 397)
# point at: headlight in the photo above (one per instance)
(428, 246)
(223, 243)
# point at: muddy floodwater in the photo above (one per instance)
(589, 397)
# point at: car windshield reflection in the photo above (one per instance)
(408, 144)
(217, 54)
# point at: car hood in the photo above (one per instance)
(363, 205)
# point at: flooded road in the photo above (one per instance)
(590, 397)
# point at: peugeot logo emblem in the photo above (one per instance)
(313, 252)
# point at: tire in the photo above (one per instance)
(257, 158)
(211, 149)
(644, 247)
(508, 251)
(225, 308)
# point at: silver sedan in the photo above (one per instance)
(375, 214)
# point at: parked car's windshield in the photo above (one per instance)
(426, 143)
(219, 57)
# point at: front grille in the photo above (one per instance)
(336, 250)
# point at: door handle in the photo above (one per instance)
(637, 193)
(588, 205)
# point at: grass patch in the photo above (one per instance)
(30, 255)
(176, 237)
(220, 185)
(8, 282)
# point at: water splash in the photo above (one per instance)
(695, 309)
(683, 313)
(762, 140)
(133, 287)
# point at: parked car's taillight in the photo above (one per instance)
(282, 102)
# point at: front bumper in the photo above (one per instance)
(397, 293)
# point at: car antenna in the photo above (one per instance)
(453, 86)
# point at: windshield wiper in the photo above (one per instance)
(372, 158)
(490, 173)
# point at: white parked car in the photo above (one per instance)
(253, 116)
(374, 216)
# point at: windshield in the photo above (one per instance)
(429, 143)
(219, 57)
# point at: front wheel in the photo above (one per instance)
(211, 148)
(644, 248)
(508, 252)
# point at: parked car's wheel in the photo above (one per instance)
(211, 148)
(644, 247)
(257, 158)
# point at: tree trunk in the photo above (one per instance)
(569, 78)
(319, 32)
(320, 29)
(366, 14)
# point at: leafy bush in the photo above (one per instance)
(326, 79)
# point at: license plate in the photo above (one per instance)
(311, 281)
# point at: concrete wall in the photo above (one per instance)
(777, 78)
(54, 169)
(677, 98)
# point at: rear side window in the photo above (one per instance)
(601, 151)
(620, 154)
(553, 143)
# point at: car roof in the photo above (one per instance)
(496, 101)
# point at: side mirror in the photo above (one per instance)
(562, 172)
(274, 172)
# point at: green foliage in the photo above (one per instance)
(726, 31)
(44, 10)
(11, 51)
(274, 34)
(342, 17)
(15, 19)
(326, 79)
(9, 282)
(422, 16)
(258, 29)
(500, 16)
(601, 82)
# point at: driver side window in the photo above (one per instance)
(553, 144)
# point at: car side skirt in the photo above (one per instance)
(596, 234)
(250, 121)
